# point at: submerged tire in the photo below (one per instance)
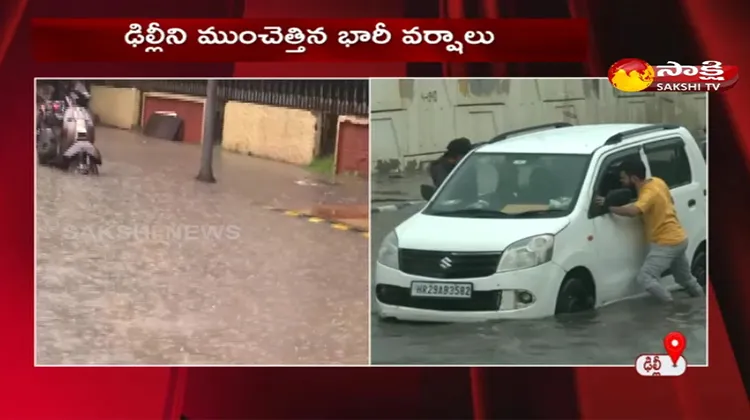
(698, 267)
(575, 295)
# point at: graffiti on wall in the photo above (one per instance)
(430, 96)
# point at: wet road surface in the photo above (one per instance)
(615, 334)
(144, 265)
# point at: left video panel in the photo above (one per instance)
(197, 222)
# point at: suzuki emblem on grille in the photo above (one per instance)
(446, 263)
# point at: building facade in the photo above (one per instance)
(293, 121)
(413, 120)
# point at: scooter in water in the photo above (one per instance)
(79, 154)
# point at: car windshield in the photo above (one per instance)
(512, 185)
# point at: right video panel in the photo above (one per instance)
(536, 222)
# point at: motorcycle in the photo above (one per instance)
(65, 134)
(77, 140)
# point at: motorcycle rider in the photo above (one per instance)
(60, 90)
(81, 93)
(77, 98)
(54, 145)
(75, 90)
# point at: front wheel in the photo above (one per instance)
(83, 164)
(575, 295)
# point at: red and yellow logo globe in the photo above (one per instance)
(631, 75)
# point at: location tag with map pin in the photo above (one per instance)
(674, 344)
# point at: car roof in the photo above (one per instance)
(575, 140)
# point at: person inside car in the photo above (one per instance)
(666, 236)
(506, 191)
(442, 167)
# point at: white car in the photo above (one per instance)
(514, 232)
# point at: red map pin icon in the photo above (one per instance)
(674, 344)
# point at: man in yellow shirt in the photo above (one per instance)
(666, 236)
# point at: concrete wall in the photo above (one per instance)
(412, 118)
(116, 107)
(282, 134)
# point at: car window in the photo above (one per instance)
(512, 184)
(608, 178)
(668, 160)
(487, 176)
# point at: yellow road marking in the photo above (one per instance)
(313, 219)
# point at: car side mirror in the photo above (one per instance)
(618, 197)
(427, 191)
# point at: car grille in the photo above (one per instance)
(448, 265)
(401, 296)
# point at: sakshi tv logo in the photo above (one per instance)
(636, 75)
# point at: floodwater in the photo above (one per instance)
(615, 334)
(145, 265)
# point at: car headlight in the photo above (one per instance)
(388, 253)
(527, 253)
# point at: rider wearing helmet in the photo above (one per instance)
(79, 93)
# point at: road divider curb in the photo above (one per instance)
(311, 218)
(394, 207)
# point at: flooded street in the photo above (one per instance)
(615, 334)
(145, 265)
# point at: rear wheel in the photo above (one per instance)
(576, 295)
(698, 267)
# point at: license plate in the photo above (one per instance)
(442, 290)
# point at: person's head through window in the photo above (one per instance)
(632, 173)
(456, 150)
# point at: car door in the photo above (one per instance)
(619, 241)
(668, 160)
